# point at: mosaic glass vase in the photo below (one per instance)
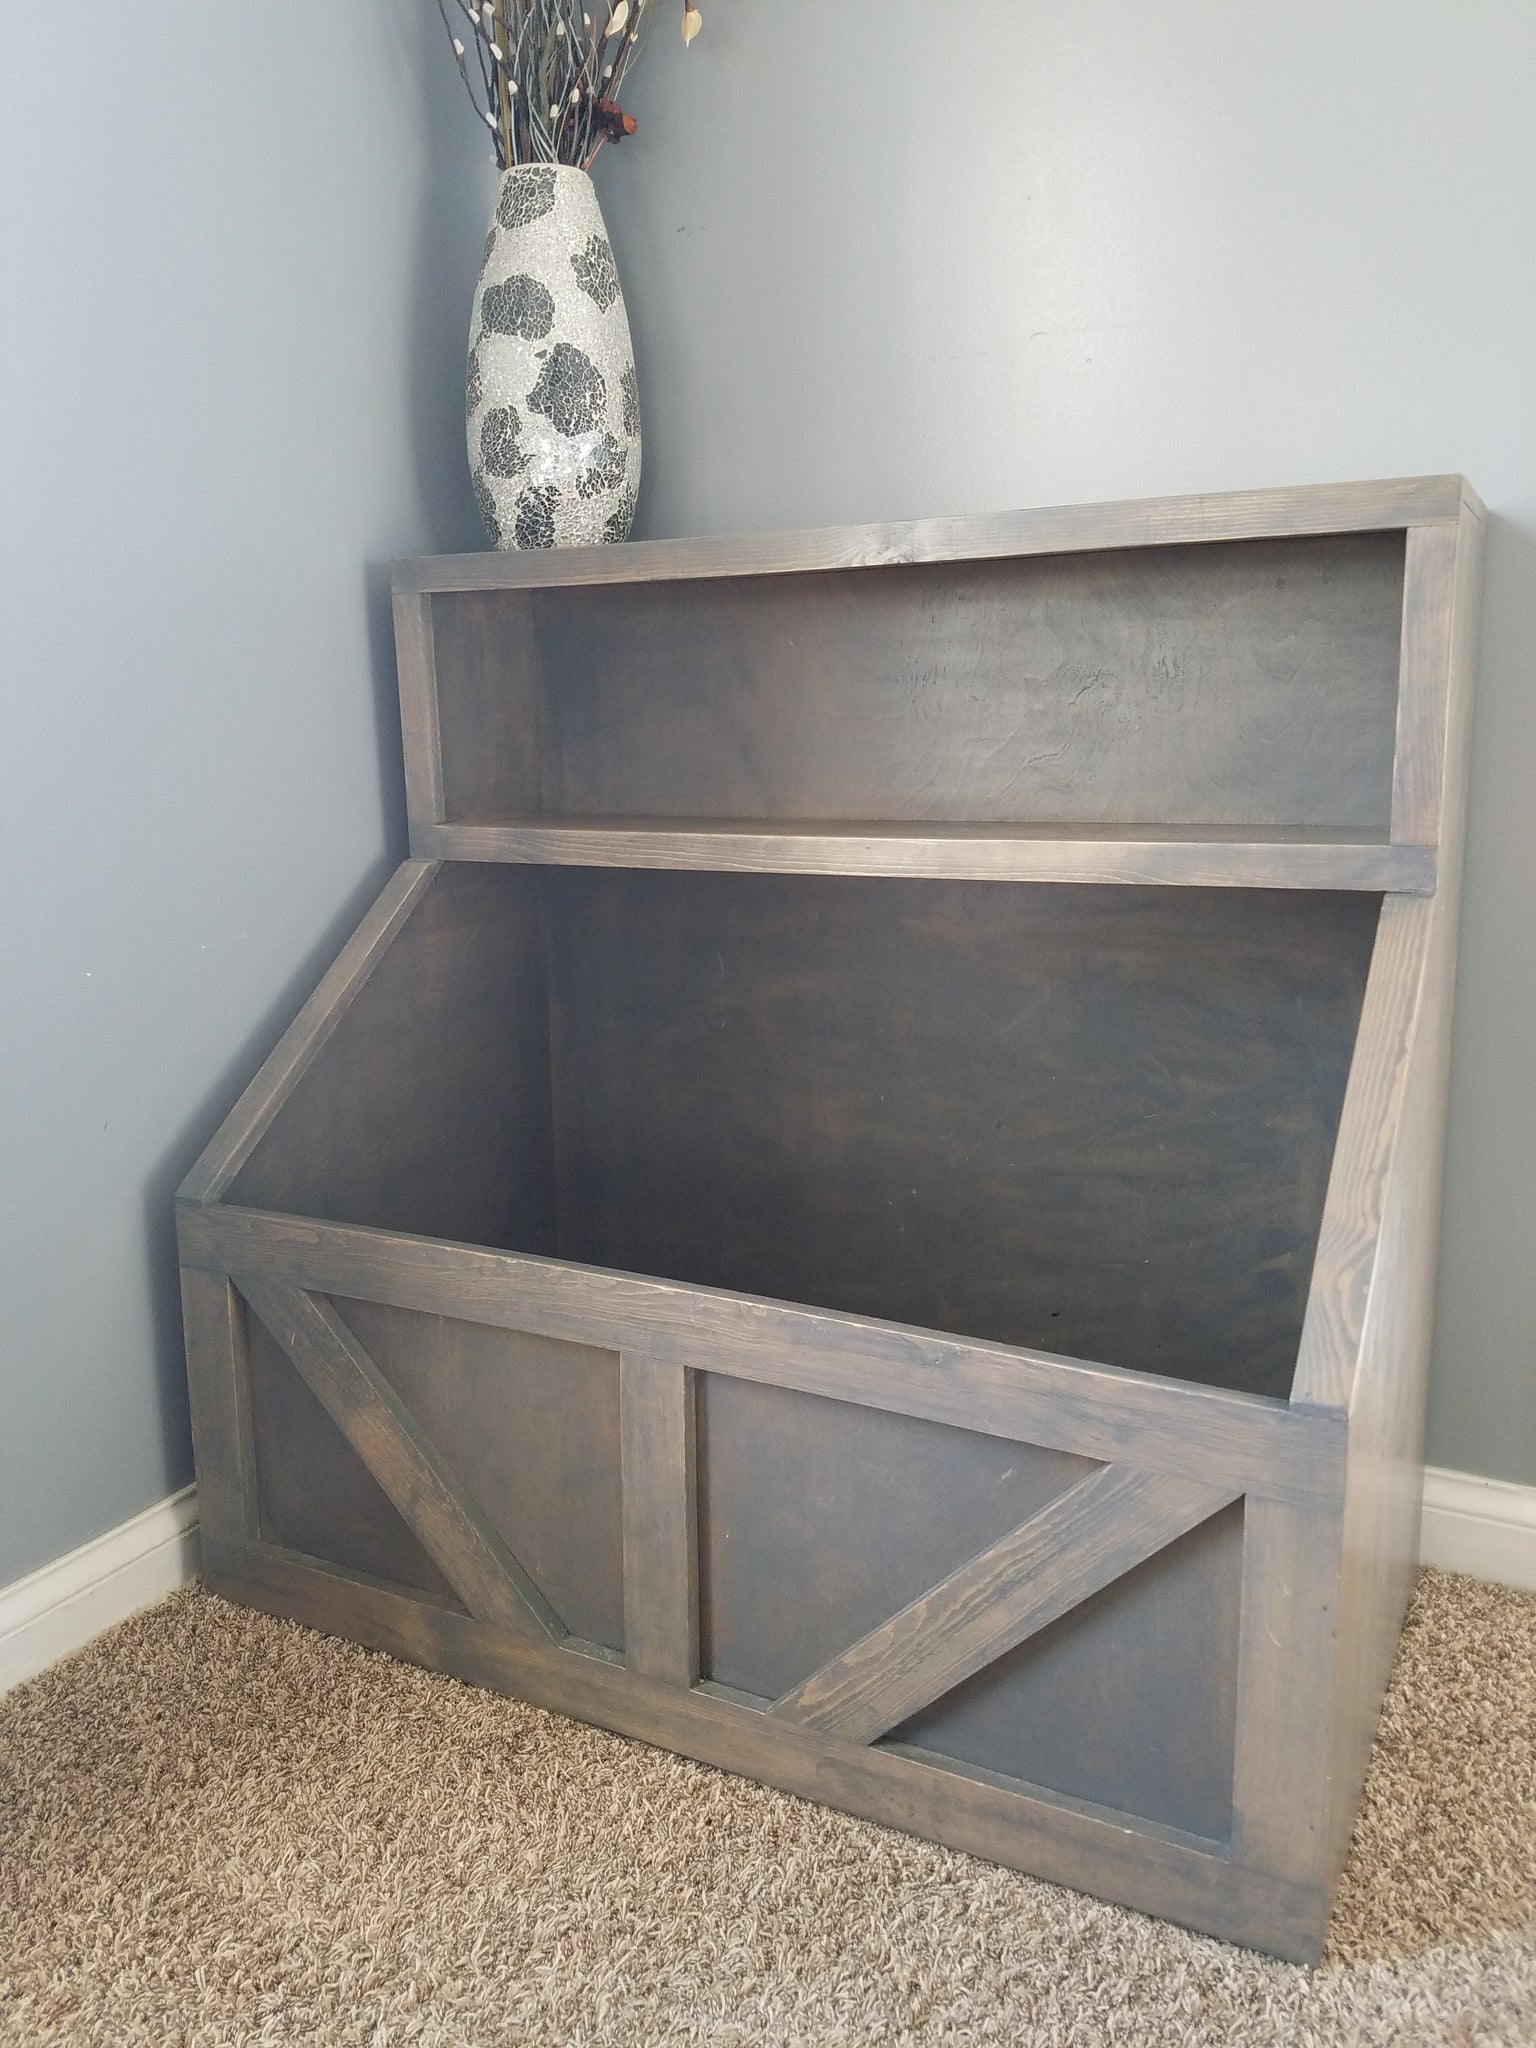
(553, 406)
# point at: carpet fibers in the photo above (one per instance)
(218, 1828)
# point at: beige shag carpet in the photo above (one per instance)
(219, 1828)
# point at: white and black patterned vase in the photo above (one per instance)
(553, 405)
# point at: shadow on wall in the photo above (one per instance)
(456, 190)
(175, 1164)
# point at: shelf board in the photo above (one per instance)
(1391, 503)
(1242, 857)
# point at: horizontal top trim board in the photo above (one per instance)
(1266, 1445)
(1060, 529)
(1238, 857)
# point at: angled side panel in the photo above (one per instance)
(1386, 1403)
(251, 1117)
(1343, 1272)
(427, 1108)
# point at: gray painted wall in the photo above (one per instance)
(234, 289)
(1015, 254)
(1025, 254)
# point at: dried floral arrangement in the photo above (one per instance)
(549, 79)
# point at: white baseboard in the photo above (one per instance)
(60, 1608)
(1484, 1527)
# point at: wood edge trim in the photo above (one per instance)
(1430, 563)
(1291, 1563)
(981, 855)
(1135, 1865)
(1465, 647)
(284, 1067)
(1367, 1153)
(420, 721)
(1256, 1443)
(847, 1697)
(1285, 512)
(223, 1439)
(658, 1480)
(1471, 503)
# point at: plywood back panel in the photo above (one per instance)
(1095, 1120)
(1250, 682)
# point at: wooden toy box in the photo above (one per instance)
(863, 1207)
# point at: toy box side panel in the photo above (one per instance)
(1443, 603)
(427, 1108)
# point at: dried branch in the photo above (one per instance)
(550, 71)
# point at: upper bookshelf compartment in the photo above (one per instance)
(1190, 689)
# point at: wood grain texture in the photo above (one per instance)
(1281, 1788)
(1259, 680)
(491, 1583)
(1095, 1121)
(1429, 592)
(427, 1106)
(1128, 1701)
(1021, 853)
(221, 1422)
(416, 663)
(1095, 1532)
(316, 1495)
(564, 1102)
(1369, 1129)
(529, 1428)
(661, 1560)
(491, 748)
(253, 1115)
(1113, 1856)
(1147, 522)
(1249, 1442)
(1386, 1422)
(809, 1535)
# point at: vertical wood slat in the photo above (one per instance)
(661, 1553)
(1424, 668)
(1280, 1798)
(374, 1420)
(420, 730)
(221, 1427)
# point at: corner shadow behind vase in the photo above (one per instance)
(552, 403)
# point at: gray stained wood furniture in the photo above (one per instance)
(863, 1207)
